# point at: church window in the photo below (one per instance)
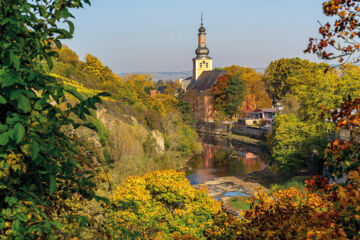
(200, 65)
(207, 65)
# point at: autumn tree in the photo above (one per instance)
(219, 91)
(282, 74)
(229, 93)
(305, 128)
(255, 86)
(339, 39)
(66, 55)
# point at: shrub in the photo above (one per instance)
(160, 205)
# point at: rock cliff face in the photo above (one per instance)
(159, 141)
(130, 127)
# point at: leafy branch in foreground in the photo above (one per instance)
(38, 165)
(340, 39)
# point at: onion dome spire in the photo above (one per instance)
(202, 51)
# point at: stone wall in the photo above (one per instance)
(213, 128)
(250, 132)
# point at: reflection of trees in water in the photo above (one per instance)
(196, 162)
(209, 153)
(222, 158)
(225, 157)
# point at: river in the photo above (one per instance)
(221, 158)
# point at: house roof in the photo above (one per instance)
(162, 89)
(269, 110)
(257, 110)
(206, 80)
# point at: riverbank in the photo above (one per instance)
(227, 188)
(249, 140)
(233, 168)
(234, 192)
(236, 131)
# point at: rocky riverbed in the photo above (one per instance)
(225, 188)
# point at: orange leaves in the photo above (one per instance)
(323, 212)
(341, 153)
(219, 90)
(289, 214)
(344, 31)
(323, 43)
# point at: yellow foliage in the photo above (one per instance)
(160, 205)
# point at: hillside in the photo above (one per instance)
(137, 133)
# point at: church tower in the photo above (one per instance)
(202, 62)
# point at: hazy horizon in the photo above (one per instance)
(161, 36)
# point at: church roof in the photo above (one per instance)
(206, 80)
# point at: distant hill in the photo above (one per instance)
(164, 75)
(174, 75)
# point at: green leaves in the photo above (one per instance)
(34, 150)
(7, 78)
(19, 132)
(52, 187)
(2, 100)
(42, 10)
(75, 93)
(71, 26)
(15, 60)
(24, 104)
(4, 138)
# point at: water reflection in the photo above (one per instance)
(221, 158)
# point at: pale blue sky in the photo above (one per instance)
(161, 35)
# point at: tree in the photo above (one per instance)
(38, 163)
(340, 39)
(255, 86)
(282, 74)
(68, 56)
(287, 151)
(229, 93)
(342, 155)
(305, 128)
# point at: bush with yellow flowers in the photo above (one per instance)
(160, 205)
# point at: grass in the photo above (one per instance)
(247, 139)
(297, 182)
(240, 203)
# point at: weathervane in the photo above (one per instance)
(202, 20)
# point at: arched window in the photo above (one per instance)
(200, 65)
(207, 65)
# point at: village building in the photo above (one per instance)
(199, 87)
(263, 116)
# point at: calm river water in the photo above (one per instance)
(217, 160)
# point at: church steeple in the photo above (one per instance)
(202, 62)
(202, 51)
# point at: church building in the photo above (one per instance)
(199, 91)
(202, 62)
